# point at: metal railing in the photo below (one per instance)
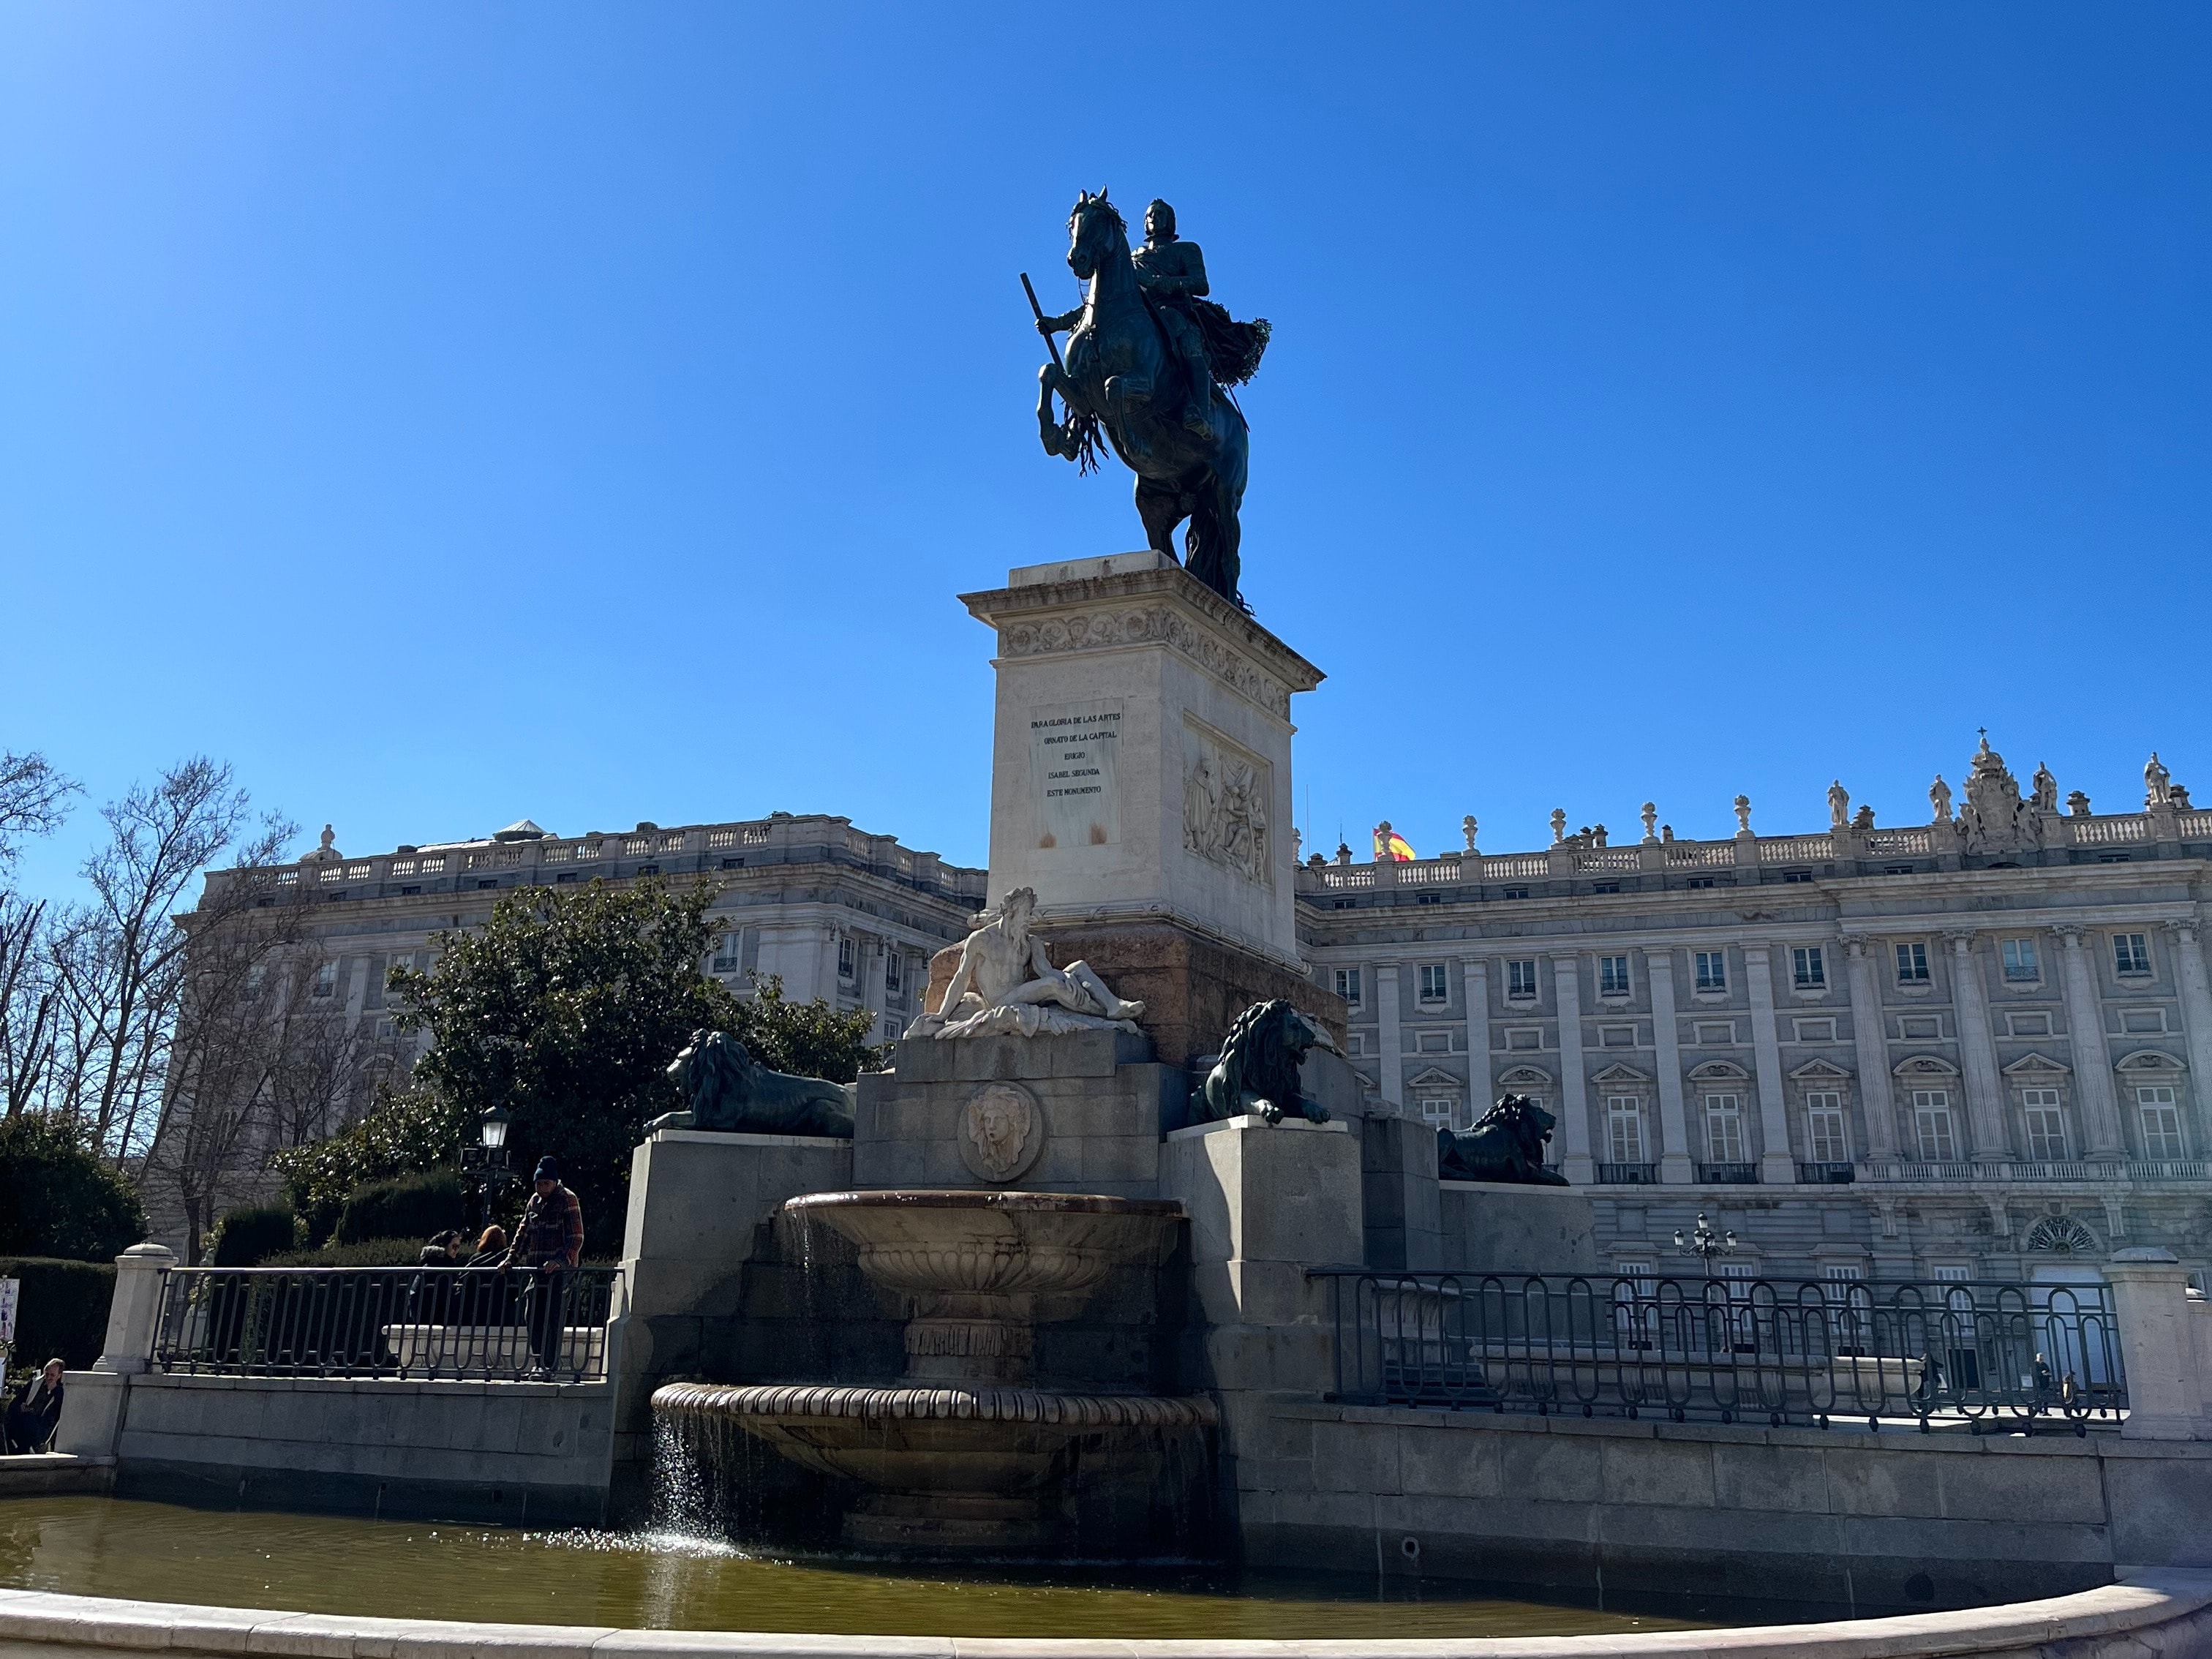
(480, 1324)
(1808, 1353)
(1728, 1174)
(1627, 1175)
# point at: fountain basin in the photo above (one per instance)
(960, 1456)
(949, 1470)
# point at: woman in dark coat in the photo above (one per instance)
(34, 1414)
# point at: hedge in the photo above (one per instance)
(374, 1253)
(61, 1309)
(248, 1236)
(407, 1206)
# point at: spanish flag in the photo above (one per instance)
(1389, 844)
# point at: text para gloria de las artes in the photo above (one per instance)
(1071, 759)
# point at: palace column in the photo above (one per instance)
(1777, 1166)
(1871, 1041)
(1475, 977)
(1970, 1000)
(1675, 1166)
(2196, 1024)
(1388, 1034)
(2093, 1059)
(1575, 1161)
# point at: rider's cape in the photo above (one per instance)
(1233, 349)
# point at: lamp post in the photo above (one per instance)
(487, 1161)
(1702, 1243)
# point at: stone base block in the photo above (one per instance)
(1286, 1194)
(696, 1198)
(1503, 1227)
(1100, 1104)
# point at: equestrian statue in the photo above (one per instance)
(1150, 362)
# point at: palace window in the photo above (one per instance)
(1605, 887)
(2130, 953)
(1347, 984)
(1712, 971)
(1912, 964)
(2162, 1120)
(1723, 1129)
(844, 959)
(1808, 967)
(1952, 1272)
(1624, 1128)
(1824, 1126)
(1513, 892)
(1699, 881)
(2020, 960)
(1613, 977)
(894, 972)
(1931, 1122)
(1521, 978)
(326, 978)
(1435, 986)
(1842, 1273)
(2046, 1124)
(1441, 1109)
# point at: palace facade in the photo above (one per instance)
(1975, 1047)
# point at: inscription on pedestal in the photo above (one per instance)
(1075, 761)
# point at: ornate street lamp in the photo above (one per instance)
(489, 1162)
(1704, 1242)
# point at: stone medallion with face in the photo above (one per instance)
(1001, 1132)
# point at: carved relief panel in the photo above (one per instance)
(1226, 796)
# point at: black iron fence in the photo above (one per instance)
(1731, 1350)
(474, 1323)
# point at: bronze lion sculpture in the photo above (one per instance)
(726, 1089)
(1508, 1144)
(1258, 1071)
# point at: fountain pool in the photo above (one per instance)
(353, 1565)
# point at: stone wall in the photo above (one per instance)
(1865, 1523)
(511, 1452)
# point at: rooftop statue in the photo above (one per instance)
(724, 1087)
(1006, 985)
(1150, 359)
(1508, 1146)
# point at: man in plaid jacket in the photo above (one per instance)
(550, 1241)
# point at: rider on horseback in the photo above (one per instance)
(1172, 274)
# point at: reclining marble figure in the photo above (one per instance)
(1258, 1071)
(1006, 985)
(1507, 1146)
(726, 1089)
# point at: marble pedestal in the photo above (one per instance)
(1141, 767)
(1089, 1107)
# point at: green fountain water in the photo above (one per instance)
(419, 1569)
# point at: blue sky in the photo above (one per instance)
(452, 414)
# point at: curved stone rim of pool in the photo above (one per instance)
(2163, 1613)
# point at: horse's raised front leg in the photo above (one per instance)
(1052, 379)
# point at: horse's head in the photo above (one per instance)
(1094, 230)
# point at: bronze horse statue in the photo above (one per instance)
(1121, 377)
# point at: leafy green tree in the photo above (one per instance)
(566, 1009)
(406, 1131)
(58, 1197)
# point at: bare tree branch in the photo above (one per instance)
(33, 800)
